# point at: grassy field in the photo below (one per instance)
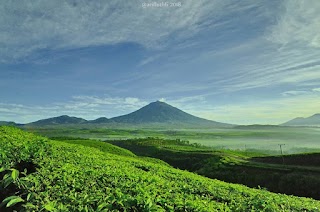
(264, 139)
(307, 159)
(38, 174)
(254, 169)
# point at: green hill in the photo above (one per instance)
(58, 121)
(101, 120)
(49, 175)
(100, 145)
(307, 159)
(8, 123)
(250, 168)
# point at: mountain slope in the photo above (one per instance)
(160, 112)
(101, 120)
(313, 120)
(8, 123)
(156, 114)
(59, 120)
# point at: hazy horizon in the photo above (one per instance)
(248, 62)
(46, 117)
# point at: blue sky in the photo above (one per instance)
(241, 62)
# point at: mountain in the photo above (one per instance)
(101, 120)
(313, 120)
(163, 113)
(159, 114)
(59, 120)
(8, 123)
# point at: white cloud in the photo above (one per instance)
(293, 93)
(289, 65)
(184, 101)
(88, 107)
(149, 60)
(275, 111)
(302, 75)
(298, 23)
(27, 27)
(99, 101)
(263, 63)
(301, 92)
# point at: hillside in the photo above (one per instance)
(100, 145)
(71, 177)
(163, 113)
(307, 159)
(8, 123)
(101, 120)
(250, 168)
(313, 120)
(58, 120)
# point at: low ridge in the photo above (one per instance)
(313, 120)
(8, 123)
(101, 120)
(59, 120)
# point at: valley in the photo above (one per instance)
(170, 138)
(259, 138)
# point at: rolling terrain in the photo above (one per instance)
(8, 123)
(254, 169)
(60, 120)
(163, 136)
(263, 139)
(38, 174)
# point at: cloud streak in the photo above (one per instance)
(272, 111)
(27, 28)
(299, 23)
(88, 107)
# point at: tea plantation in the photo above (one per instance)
(38, 174)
